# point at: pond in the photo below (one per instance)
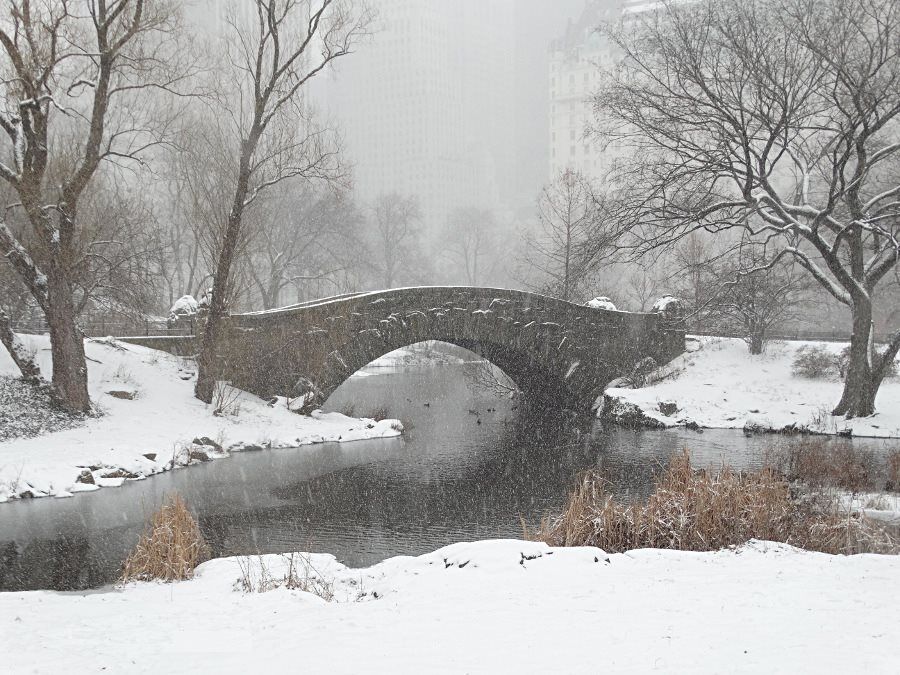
(472, 464)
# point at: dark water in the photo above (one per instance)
(471, 465)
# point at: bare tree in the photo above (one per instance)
(470, 239)
(695, 282)
(303, 238)
(74, 84)
(271, 64)
(754, 294)
(566, 212)
(395, 229)
(778, 118)
(642, 287)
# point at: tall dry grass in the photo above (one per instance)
(821, 462)
(702, 511)
(170, 548)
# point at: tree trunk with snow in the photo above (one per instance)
(218, 308)
(23, 359)
(70, 378)
(866, 367)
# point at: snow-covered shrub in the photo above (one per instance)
(186, 307)
(814, 362)
(601, 302)
(295, 571)
(27, 410)
(226, 399)
(667, 303)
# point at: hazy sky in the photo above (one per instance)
(534, 25)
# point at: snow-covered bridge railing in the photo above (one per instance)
(557, 352)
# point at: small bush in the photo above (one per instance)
(843, 363)
(378, 414)
(701, 511)
(171, 547)
(814, 362)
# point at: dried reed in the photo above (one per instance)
(170, 548)
(702, 511)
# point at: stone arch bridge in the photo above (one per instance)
(557, 352)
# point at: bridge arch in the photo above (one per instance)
(557, 352)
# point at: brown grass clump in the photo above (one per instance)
(820, 462)
(702, 511)
(170, 548)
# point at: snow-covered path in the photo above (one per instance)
(487, 607)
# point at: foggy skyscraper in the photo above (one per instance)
(427, 105)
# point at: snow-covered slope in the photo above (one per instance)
(487, 607)
(161, 421)
(720, 385)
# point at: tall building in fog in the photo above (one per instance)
(575, 61)
(427, 106)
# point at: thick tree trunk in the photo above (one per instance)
(20, 355)
(862, 381)
(207, 358)
(67, 347)
(756, 341)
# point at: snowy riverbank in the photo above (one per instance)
(486, 607)
(149, 425)
(719, 385)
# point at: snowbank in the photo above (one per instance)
(717, 384)
(149, 425)
(487, 607)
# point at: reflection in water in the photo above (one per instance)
(470, 466)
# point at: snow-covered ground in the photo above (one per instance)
(153, 431)
(718, 384)
(499, 606)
